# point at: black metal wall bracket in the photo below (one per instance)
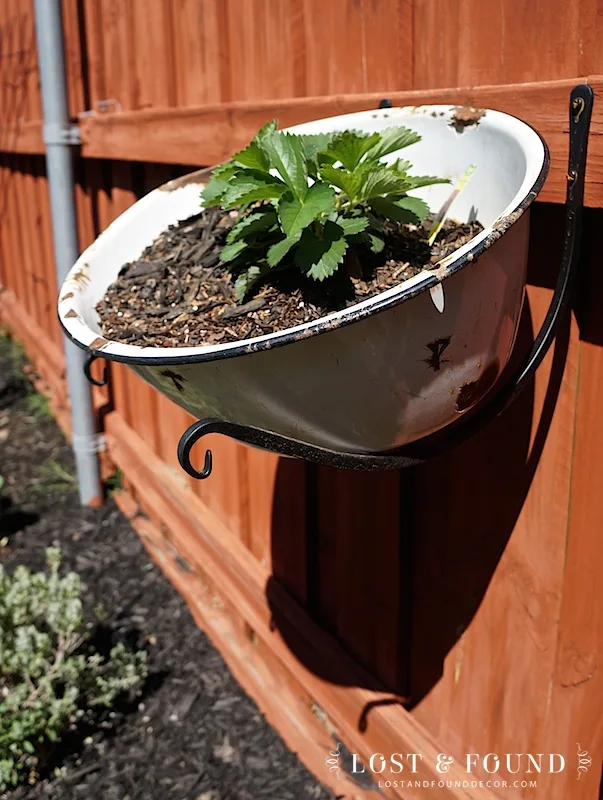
(581, 102)
(87, 364)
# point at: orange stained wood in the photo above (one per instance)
(210, 134)
(211, 548)
(454, 607)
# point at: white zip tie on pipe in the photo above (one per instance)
(89, 444)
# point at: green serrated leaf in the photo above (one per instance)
(267, 127)
(250, 187)
(352, 225)
(230, 251)
(319, 257)
(245, 282)
(286, 154)
(416, 181)
(350, 146)
(392, 139)
(279, 250)
(414, 205)
(380, 181)
(252, 156)
(295, 215)
(225, 170)
(347, 182)
(213, 192)
(251, 224)
(313, 143)
(405, 209)
(376, 243)
(401, 166)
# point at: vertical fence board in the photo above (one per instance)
(467, 42)
(574, 721)
(20, 233)
(334, 47)
(359, 556)
(260, 41)
(151, 19)
(25, 256)
(48, 249)
(29, 105)
(196, 52)
(93, 44)
(6, 226)
(38, 274)
(389, 66)
(489, 578)
(76, 75)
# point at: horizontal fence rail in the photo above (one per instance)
(206, 135)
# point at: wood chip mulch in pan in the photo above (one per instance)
(179, 294)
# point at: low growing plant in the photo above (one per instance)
(305, 200)
(55, 478)
(50, 678)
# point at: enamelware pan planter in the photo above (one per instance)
(384, 372)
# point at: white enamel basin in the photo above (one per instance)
(386, 371)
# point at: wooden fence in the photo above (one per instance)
(453, 608)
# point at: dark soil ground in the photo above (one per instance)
(193, 734)
(179, 294)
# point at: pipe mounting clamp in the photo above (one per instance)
(56, 134)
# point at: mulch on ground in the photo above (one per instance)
(193, 734)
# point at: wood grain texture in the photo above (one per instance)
(199, 53)
(576, 686)
(22, 137)
(359, 551)
(213, 550)
(489, 578)
(456, 608)
(210, 134)
(285, 703)
(507, 41)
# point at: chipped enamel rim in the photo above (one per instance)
(82, 335)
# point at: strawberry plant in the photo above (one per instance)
(304, 200)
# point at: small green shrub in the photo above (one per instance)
(55, 478)
(305, 199)
(113, 483)
(50, 678)
(37, 405)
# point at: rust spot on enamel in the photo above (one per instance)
(98, 343)
(71, 314)
(466, 116)
(200, 177)
(470, 393)
(67, 296)
(81, 276)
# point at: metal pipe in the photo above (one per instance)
(59, 137)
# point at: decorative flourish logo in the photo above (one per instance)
(332, 761)
(584, 762)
